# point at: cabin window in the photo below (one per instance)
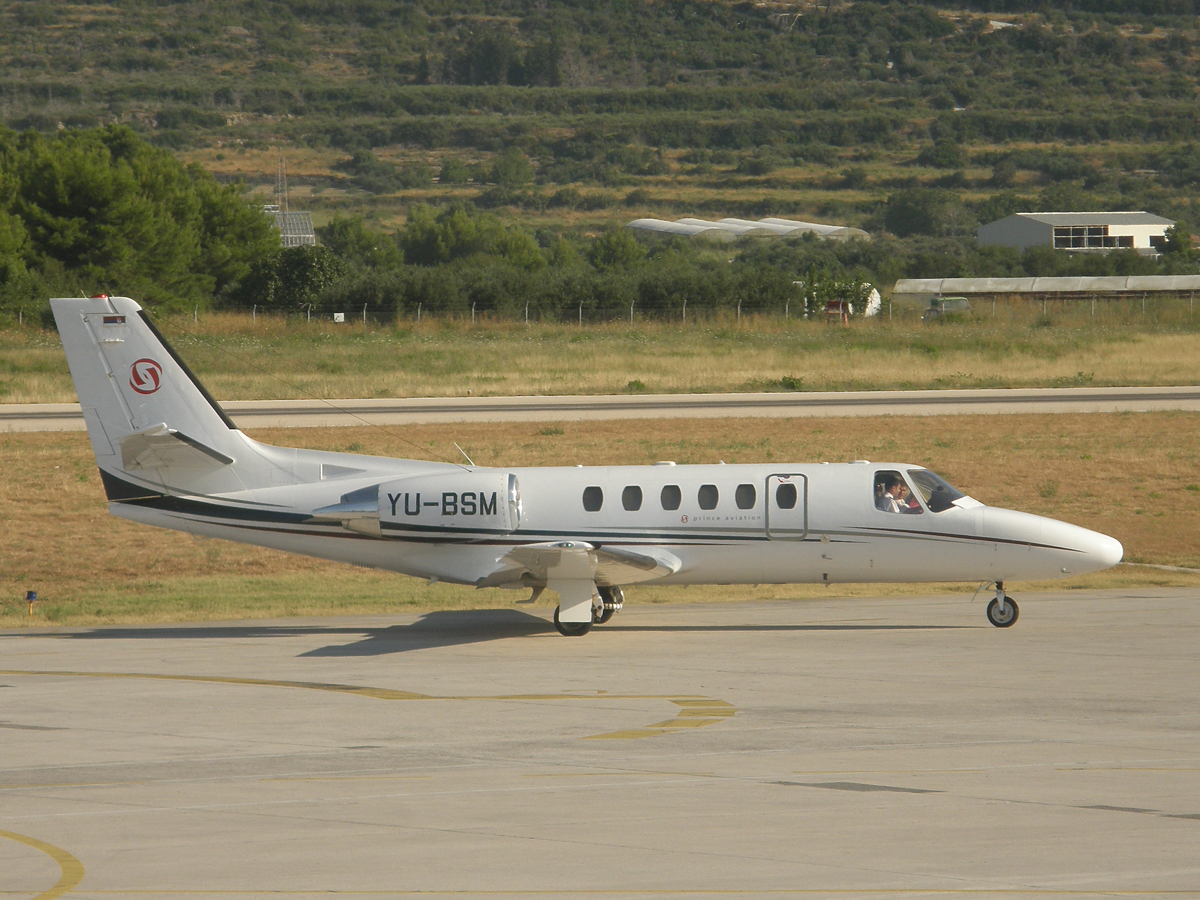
(671, 496)
(631, 498)
(785, 496)
(936, 492)
(707, 496)
(745, 496)
(593, 498)
(892, 494)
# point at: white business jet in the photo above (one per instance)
(169, 456)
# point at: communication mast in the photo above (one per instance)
(281, 188)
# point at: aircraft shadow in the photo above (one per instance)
(752, 628)
(446, 628)
(442, 629)
(435, 629)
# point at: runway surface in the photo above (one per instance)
(319, 413)
(835, 748)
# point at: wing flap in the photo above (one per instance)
(558, 560)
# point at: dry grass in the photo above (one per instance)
(277, 358)
(1134, 476)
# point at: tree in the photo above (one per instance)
(294, 277)
(617, 249)
(1178, 241)
(351, 239)
(944, 154)
(927, 211)
(102, 209)
(512, 169)
(459, 233)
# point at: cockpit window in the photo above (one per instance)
(892, 494)
(937, 493)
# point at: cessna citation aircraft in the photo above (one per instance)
(170, 456)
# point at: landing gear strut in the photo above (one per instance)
(612, 599)
(1002, 611)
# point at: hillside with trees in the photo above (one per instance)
(470, 153)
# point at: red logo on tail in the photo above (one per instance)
(145, 376)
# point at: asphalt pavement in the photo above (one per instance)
(836, 748)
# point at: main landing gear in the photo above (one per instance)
(612, 598)
(1002, 611)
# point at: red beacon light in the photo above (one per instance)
(98, 297)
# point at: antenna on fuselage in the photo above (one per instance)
(464, 453)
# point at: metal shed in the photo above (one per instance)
(1078, 231)
(295, 228)
(1114, 287)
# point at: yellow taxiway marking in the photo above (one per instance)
(659, 892)
(72, 869)
(695, 711)
(349, 778)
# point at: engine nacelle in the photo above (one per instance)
(470, 503)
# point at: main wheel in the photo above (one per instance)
(571, 629)
(1003, 618)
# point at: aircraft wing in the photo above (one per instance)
(540, 563)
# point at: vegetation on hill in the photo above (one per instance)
(472, 154)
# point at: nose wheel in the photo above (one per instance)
(1002, 611)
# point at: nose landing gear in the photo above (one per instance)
(1002, 611)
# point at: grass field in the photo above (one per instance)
(289, 358)
(1134, 476)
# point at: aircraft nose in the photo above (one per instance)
(1103, 551)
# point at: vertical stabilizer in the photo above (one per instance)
(148, 418)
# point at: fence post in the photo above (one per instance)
(472, 312)
(739, 318)
(418, 313)
(787, 310)
(526, 312)
(254, 314)
(195, 314)
(685, 310)
(580, 313)
(364, 315)
(631, 302)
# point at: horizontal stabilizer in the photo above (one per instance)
(160, 447)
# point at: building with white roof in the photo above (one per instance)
(1078, 231)
(729, 228)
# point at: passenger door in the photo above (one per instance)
(787, 507)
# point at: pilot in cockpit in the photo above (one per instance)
(892, 494)
(892, 497)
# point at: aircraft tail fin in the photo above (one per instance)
(148, 418)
